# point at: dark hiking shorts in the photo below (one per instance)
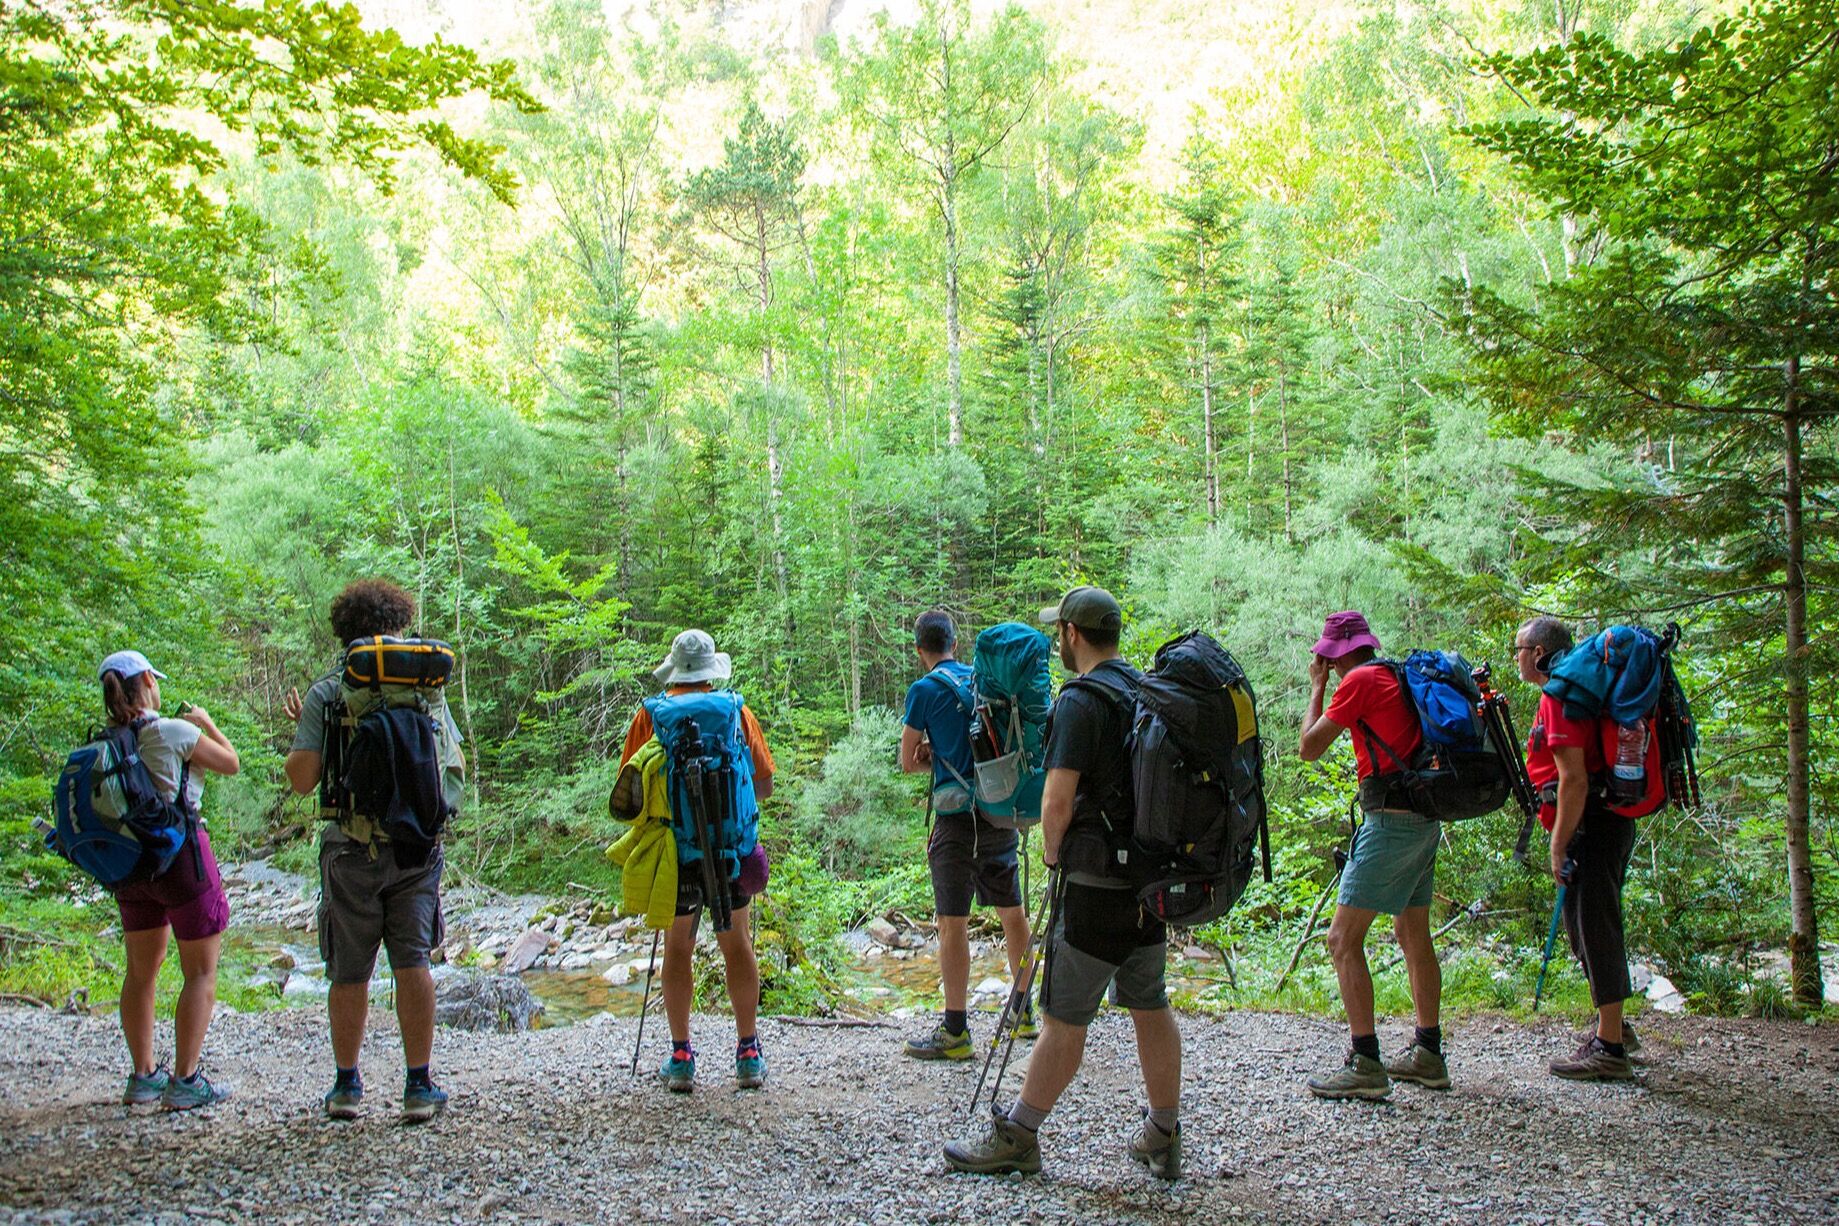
(366, 903)
(1103, 942)
(971, 860)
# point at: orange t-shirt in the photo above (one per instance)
(641, 731)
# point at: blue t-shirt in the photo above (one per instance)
(932, 708)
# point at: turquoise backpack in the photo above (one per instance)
(1012, 691)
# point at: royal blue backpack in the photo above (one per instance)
(112, 821)
(734, 812)
(1457, 771)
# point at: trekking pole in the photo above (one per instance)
(1551, 934)
(645, 1004)
(693, 780)
(1048, 912)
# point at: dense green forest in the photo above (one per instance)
(631, 318)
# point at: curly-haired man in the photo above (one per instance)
(369, 900)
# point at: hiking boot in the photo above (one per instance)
(1157, 1150)
(749, 1069)
(422, 1100)
(679, 1075)
(143, 1090)
(1631, 1042)
(941, 1044)
(1593, 1062)
(343, 1100)
(1005, 1147)
(1026, 1027)
(183, 1095)
(1360, 1077)
(1420, 1064)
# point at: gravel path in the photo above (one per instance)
(546, 1127)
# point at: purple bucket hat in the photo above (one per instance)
(1344, 632)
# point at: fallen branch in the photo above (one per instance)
(832, 1023)
(22, 998)
(1472, 911)
(1308, 931)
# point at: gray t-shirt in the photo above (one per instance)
(310, 734)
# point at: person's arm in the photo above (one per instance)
(302, 770)
(1056, 811)
(1319, 732)
(915, 753)
(1573, 792)
(302, 764)
(213, 751)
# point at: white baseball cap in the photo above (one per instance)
(128, 664)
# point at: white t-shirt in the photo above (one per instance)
(164, 745)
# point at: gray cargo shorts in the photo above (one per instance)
(366, 903)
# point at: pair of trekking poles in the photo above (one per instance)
(1035, 965)
(707, 788)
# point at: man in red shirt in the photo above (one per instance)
(1391, 865)
(1591, 847)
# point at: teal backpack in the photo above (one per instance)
(1012, 691)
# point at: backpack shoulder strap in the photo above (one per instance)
(1373, 739)
(958, 689)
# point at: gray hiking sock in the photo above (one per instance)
(1028, 1117)
(1166, 1119)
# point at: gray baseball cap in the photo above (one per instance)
(1089, 608)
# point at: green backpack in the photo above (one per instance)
(377, 673)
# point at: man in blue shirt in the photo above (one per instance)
(970, 859)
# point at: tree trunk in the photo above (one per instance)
(954, 363)
(459, 592)
(1804, 935)
(1283, 421)
(1209, 464)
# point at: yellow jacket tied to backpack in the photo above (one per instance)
(647, 853)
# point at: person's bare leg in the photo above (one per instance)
(1053, 1063)
(1159, 1052)
(1609, 1023)
(679, 986)
(1412, 927)
(955, 959)
(1347, 946)
(743, 973)
(197, 1001)
(415, 1015)
(348, 1007)
(146, 950)
(1015, 940)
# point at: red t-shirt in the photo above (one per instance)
(1370, 694)
(1552, 729)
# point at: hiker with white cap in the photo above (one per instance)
(711, 736)
(186, 901)
(1391, 864)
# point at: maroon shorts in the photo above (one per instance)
(194, 904)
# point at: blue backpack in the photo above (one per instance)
(112, 821)
(734, 813)
(1459, 770)
(1013, 693)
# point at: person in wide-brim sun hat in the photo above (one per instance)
(693, 658)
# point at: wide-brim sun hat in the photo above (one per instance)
(693, 658)
(128, 664)
(1345, 632)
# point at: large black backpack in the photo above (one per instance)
(1197, 768)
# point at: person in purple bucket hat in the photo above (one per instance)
(1391, 864)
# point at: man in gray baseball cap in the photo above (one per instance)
(1103, 942)
(1089, 608)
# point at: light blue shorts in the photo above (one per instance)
(1393, 865)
